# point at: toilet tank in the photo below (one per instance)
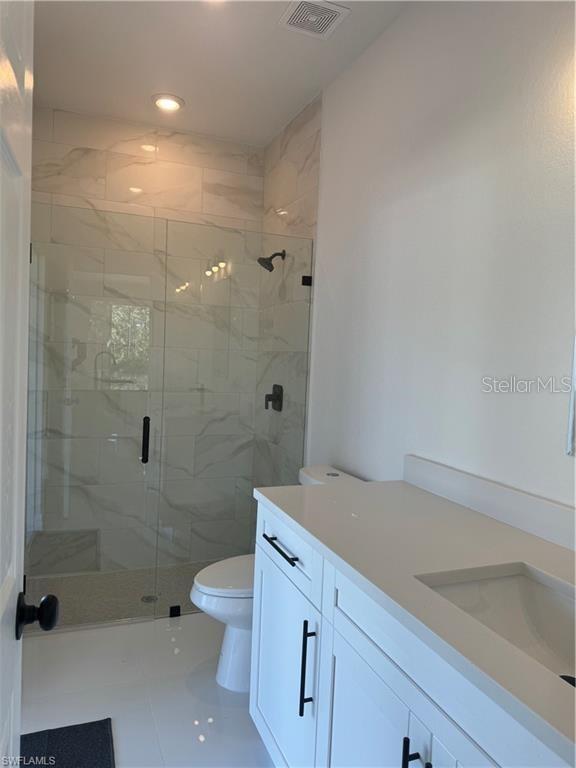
(319, 474)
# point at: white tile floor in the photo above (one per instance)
(155, 679)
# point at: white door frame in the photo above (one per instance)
(16, 46)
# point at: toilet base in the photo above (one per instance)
(234, 664)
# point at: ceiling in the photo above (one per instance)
(241, 75)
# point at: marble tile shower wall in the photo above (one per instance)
(125, 322)
(291, 176)
(100, 163)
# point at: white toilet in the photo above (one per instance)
(225, 591)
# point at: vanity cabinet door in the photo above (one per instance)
(369, 722)
(285, 657)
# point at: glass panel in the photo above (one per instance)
(96, 367)
(233, 330)
(133, 316)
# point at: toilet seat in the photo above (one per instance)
(231, 578)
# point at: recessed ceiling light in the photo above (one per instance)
(135, 190)
(149, 147)
(168, 103)
(208, 273)
(221, 264)
(215, 268)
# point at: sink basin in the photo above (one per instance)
(531, 609)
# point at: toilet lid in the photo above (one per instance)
(233, 577)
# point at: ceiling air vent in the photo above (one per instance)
(315, 19)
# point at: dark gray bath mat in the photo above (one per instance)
(88, 745)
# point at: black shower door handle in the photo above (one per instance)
(145, 439)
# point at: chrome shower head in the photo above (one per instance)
(266, 261)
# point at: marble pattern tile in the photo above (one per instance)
(290, 368)
(223, 456)
(154, 182)
(78, 413)
(68, 170)
(284, 284)
(273, 465)
(231, 194)
(95, 204)
(64, 365)
(187, 283)
(212, 244)
(41, 223)
(134, 275)
(219, 539)
(296, 172)
(181, 369)
(128, 327)
(291, 176)
(295, 218)
(59, 552)
(302, 127)
(81, 507)
(193, 413)
(245, 507)
(285, 327)
(198, 499)
(119, 461)
(205, 219)
(204, 391)
(205, 152)
(245, 284)
(65, 318)
(197, 326)
(227, 370)
(68, 269)
(285, 429)
(102, 229)
(178, 458)
(103, 133)
(129, 549)
(244, 329)
(41, 197)
(66, 461)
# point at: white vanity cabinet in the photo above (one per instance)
(285, 665)
(337, 680)
(365, 722)
(372, 715)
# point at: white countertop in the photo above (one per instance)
(387, 533)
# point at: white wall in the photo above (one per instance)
(445, 246)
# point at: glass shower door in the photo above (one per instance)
(96, 371)
(233, 330)
(134, 317)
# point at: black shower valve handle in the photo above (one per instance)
(275, 398)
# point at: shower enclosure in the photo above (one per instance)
(145, 325)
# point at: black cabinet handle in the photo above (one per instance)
(272, 541)
(145, 439)
(303, 698)
(46, 614)
(427, 765)
(407, 756)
